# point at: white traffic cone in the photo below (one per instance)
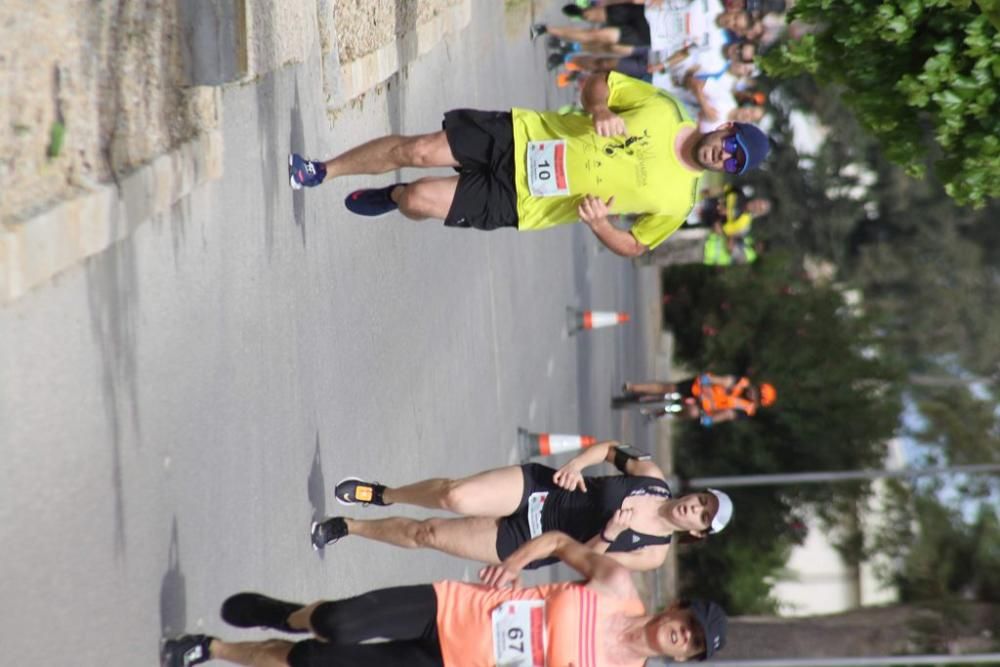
(546, 444)
(585, 320)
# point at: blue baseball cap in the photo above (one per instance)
(714, 624)
(754, 143)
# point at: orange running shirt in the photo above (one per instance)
(574, 618)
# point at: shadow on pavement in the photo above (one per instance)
(296, 143)
(173, 595)
(317, 487)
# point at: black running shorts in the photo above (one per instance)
(406, 616)
(631, 23)
(483, 144)
(684, 387)
(513, 530)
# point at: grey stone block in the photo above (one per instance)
(214, 41)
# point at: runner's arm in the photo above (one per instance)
(595, 214)
(641, 560)
(570, 476)
(596, 453)
(724, 416)
(598, 545)
(594, 98)
(602, 571)
(617, 240)
(634, 467)
(726, 381)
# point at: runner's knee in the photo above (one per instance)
(412, 202)
(271, 653)
(328, 618)
(421, 151)
(455, 497)
(424, 534)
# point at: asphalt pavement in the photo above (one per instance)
(174, 411)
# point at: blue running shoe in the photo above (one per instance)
(302, 172)
(372, 201)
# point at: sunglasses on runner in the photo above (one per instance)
(734, 164)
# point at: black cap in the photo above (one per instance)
(714, 623)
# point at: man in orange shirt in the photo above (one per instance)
(597, 623)
(709, 398)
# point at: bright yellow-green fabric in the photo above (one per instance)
(739, 225)
(641, 171)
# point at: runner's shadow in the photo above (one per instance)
(173, 595)
(297, 142)
(317, 487)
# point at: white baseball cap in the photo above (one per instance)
(724, 513)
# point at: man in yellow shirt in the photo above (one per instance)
(636, 151)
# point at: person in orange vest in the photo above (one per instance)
(709, 398)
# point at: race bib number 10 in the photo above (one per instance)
(519, 634)
(547, 168)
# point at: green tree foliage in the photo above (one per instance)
(960, 428)
(837, 405)
(929, 269)
(938, 557)
(912, 69)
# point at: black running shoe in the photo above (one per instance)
(253, 610)
(537, 29)
(327, 532)
(653, 415)
(354, 491)
(555, 61)
(573, 11)
(185, 651)
(622, 401)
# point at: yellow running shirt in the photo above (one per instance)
(641, 170)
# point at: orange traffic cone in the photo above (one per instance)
(546, 444)
(585, 320)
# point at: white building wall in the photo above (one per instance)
(817, 581)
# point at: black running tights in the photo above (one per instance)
(406, 616)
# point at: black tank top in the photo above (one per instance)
(584, 515)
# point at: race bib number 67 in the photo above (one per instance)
(547, 168)
(519, 634)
